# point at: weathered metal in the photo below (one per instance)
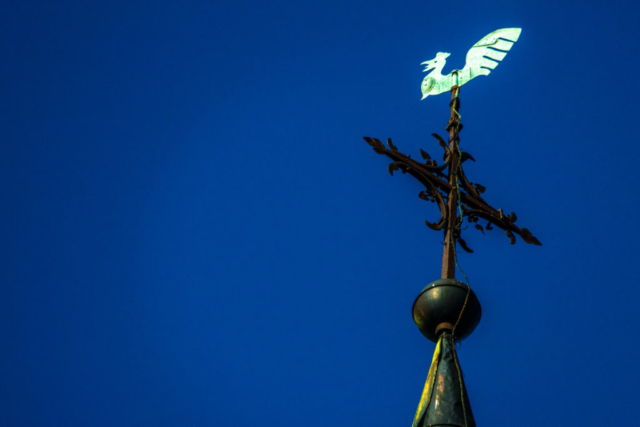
(440, 303)
(449, 250)
(446, 310)
(447, 182)
(444, 400)
(481, 59)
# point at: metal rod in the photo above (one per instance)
(449, 252)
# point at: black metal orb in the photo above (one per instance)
(438, 307)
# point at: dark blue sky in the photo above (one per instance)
(194, 232)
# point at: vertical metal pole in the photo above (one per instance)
(449, 255)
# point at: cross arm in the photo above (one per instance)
(431, 175)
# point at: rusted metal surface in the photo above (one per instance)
(443, 183)
(449, 251)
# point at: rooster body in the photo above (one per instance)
(481, 59)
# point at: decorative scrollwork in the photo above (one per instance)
(438, 190)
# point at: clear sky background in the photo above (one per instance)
(194, 232)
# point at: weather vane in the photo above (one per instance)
(447, 310)
(481, 59)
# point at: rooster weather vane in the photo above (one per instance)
(481, 59)
(448, 310)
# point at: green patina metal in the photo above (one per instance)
(440, 313)
(483, 57)
(445, 402)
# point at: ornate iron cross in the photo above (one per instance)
(446, 184)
